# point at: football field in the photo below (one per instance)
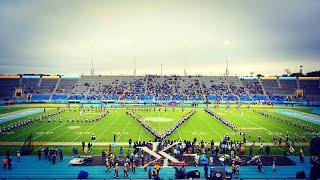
(73, 126)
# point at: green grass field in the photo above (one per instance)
(201, 125)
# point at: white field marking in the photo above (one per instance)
(27, 132)
(110, 126)
(60, 134)
(219, 135)
(85, 131)
(158, 119)
(73, 127)
(70, 129)
(251, 128)
(44, 124)
(277, 126)
(124, 129)
(256, 125)
(159, 122)
(49, 131)
(264, 127)
(54, 128)
(140, 133)
(45, 133)
(195, 129)
(141, 130)
(179, 134)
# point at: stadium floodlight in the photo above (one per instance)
(185, 57)
(134, 58)
(227, 44)
(92, 45)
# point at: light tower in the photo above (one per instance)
(287, 71)
(185, 57)
(134, 59)
(92, 56)
(301, 69)
(160, 69)
(227, 44)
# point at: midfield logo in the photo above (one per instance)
(161, 154)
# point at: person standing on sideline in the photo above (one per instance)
(18, 156)
(83, 145)
(150, 174)
(301, 156)
(5, 163)
(205, 171)
(121, 152)
(116, 171)
(39, 154)
(274, 165)
(9, 163)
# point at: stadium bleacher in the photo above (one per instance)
(8, 84)
(163, 88)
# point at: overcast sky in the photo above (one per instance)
(54, 36)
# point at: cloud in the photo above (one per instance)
(56, 35)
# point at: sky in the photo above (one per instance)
(56, 37)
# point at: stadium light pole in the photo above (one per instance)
(185, 57)
(160, 69)
(134, 58)
(301, 69)
(227, 45)
(92, 44)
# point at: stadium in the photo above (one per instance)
(105, 124)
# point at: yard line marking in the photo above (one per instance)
(277, 126)
(258, 126)
(124, 130)
(140, 133)
(29, 131)
(211, 128)
(159, 126)
(110, 126)
(142, 129)
(195, 130)
(48, 131)
(85, 131)
(179, 134)
(53, 128)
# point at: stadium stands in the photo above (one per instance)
(8, 84)
(159, 88)
(30, 83)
